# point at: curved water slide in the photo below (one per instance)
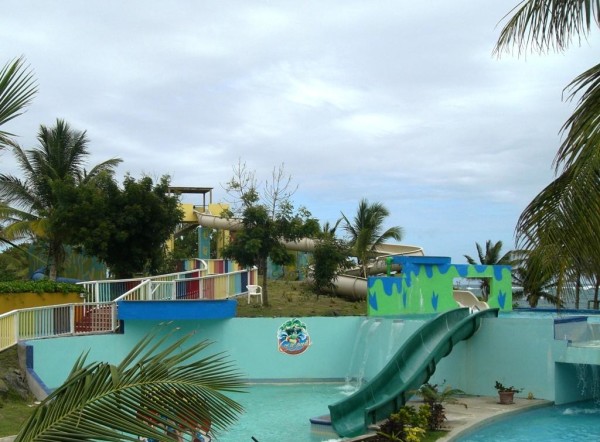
(411, 366)
(351, 285)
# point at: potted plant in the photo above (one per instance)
(506, 394)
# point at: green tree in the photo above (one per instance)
(366, 231)
(329, 257)
(17, 89)
(49, 170)
(565, 215)
(126, 228)
(160, 384)
(534, 278)
(262, 237)
(268, 219)
(491, 256)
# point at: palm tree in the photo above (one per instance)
(17, 89)
(366, 231)
(535, 278)
(160, 390)
(565, 215)
(492, 256)
(30, 205)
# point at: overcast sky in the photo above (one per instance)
(399, 102)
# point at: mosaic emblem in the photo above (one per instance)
(293, 337)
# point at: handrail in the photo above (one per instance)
(98, 314)
(56, 320)
(221, 286)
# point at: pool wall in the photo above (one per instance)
(515, 351)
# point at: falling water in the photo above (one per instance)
(360, 355)
(395, 332)
(589, 380)
(359, 337)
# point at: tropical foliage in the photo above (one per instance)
(564, 218)
(127, 227)
(262, 238)
(491, 256)
(29, 205)
(268, 221)
(435, 396)
(17, 89)
(366, 231)
(162, 389)
(328, 258)
(533, 280)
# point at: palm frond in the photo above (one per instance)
(160, 385)
(17, 89)
(582, 129)
(542, 25)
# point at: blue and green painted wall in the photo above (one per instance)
(425, 286)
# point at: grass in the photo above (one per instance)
(14, 410)
(296, 299)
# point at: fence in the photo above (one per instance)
(56, 320)
(210, 287)
(98, 314)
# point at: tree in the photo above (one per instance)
(261, 238)
(328, 258)
(159, 389)
(49, 170)
(126, 228)
(268, 220)
(535, 279)
(491, 257)
(564, 215)
(17, 89)
(366, 231)
(243, 190)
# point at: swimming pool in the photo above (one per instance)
(574, 422)
(279, 412)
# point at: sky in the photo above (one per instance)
(399, 102)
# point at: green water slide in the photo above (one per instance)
(411, 366)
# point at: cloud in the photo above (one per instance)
(400, 102)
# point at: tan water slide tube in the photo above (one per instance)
(348, 285)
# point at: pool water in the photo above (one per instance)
(280, 412)
(574, 422)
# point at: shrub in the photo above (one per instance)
(407, 425)
(43, 286)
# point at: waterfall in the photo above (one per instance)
(589, 380)
(360, 355)
(395, 332)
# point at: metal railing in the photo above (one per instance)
(210, 287)
(110, 289)
(56, 320)
(98, 312)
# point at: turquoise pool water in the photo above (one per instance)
(574, 422)
(281, 412)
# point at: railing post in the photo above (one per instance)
(97, 292)
(17, 314)
(72, 318)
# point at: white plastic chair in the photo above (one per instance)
(254, 290)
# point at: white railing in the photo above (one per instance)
(56, 320)
(211, 287)
(98, 314)
(110, 289)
